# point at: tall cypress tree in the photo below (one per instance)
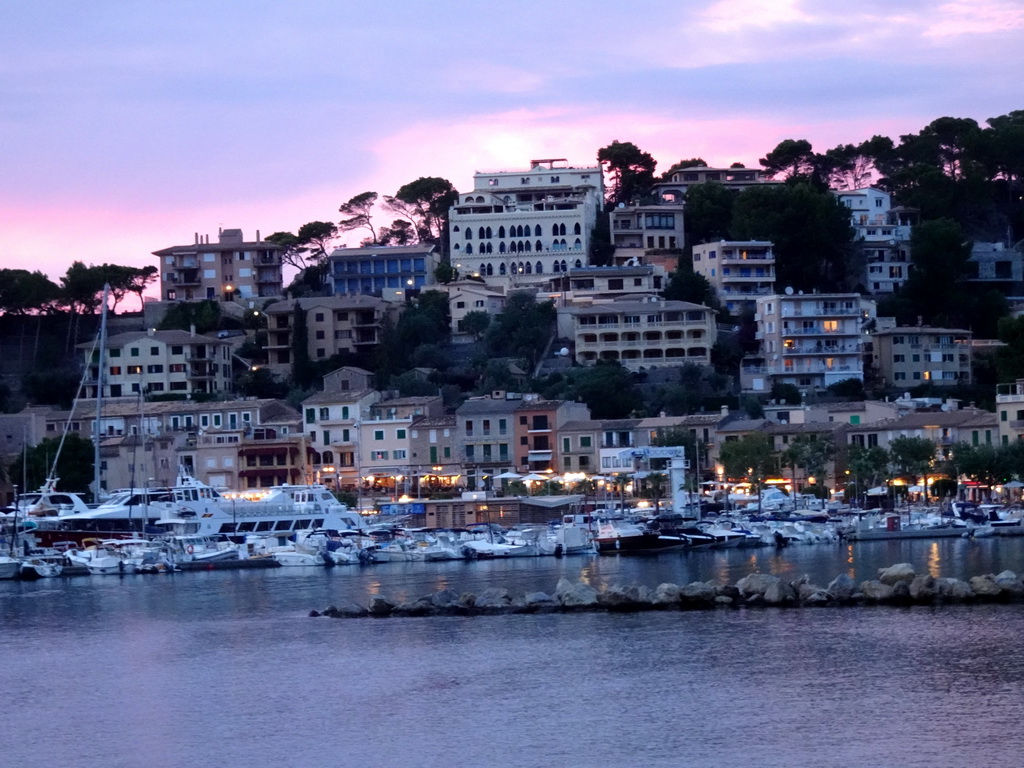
(303, 372)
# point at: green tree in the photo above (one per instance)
(522, 329)
(752, 457)
(359, 213)
(790, 158)
(686, 285)
(912, 457)
(609, 390)
(940, 251)
(294, 253)
(23, 292)
(74, 468)
(476, 323)
(317, 237)
(869, 466)
(811, 453)
(400, 232)
(424, 203)
(631, 170)
(708, 212)
(799, 220)
(1010, 358)
(205, 315)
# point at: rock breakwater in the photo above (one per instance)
(898, 584)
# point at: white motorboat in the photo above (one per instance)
(33, 568)
(10, 567)
(295, 558)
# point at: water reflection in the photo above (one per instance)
(934, 560)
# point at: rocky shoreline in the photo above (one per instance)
(896, 585)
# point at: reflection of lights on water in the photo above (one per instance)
(934, 561)
(852, 572)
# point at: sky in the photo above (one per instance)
(127, 126)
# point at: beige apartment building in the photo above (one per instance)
(228, 270)
(915, 355)
(159, 362)
(334, 323)
(640, 334)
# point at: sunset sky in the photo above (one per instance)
(127, 126)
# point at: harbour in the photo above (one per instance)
(206, 649)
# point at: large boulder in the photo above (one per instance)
(922, 588)
(421, 607)
(954, 590)
(1011, 583)
(805, 589)
(346, 611)
(876, 591)
(575, 595)
(894, 573)
(444, 598)
(493, 600)
(697, 593)
(780, 593)
(842, 587)
(619, 598)
(755, 584)
(817, 598)
(666, 594)
(985, 587)
(380, 606)
(539, 600)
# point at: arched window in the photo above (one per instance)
(501, 231)
(513, 269)
(490, 269)
(529, 268)
(519, 247)
(480, 234)
(456, 228)
(327, 457)
(554, 230)
(469, 233)
(539, 269)
(521, 270)
(501, 247)
(489, 249)
(489, 233)
(538, 247)
(579, 264)
(576, 230)
(561, 229)
(469, 249)
(469, 199)
(479, 198)
(457, 247)
(578, 244)
(536, 231)
(564, 268)
(507, 199)
(528, 246)
(501, 268)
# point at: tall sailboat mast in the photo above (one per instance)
(101, 360)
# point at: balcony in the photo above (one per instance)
(820, 310)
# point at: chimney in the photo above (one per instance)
(725, 411)
(197, 238)
(257, 235)
(192, 329)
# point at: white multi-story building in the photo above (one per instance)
(534, 222)
(808, 340)
(884, 234)
(739, 270)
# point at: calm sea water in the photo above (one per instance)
(226, 669)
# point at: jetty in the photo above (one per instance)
(897, 585)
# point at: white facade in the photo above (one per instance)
(739, 270)
(810, 341)
(516, 223)
(878, 229)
